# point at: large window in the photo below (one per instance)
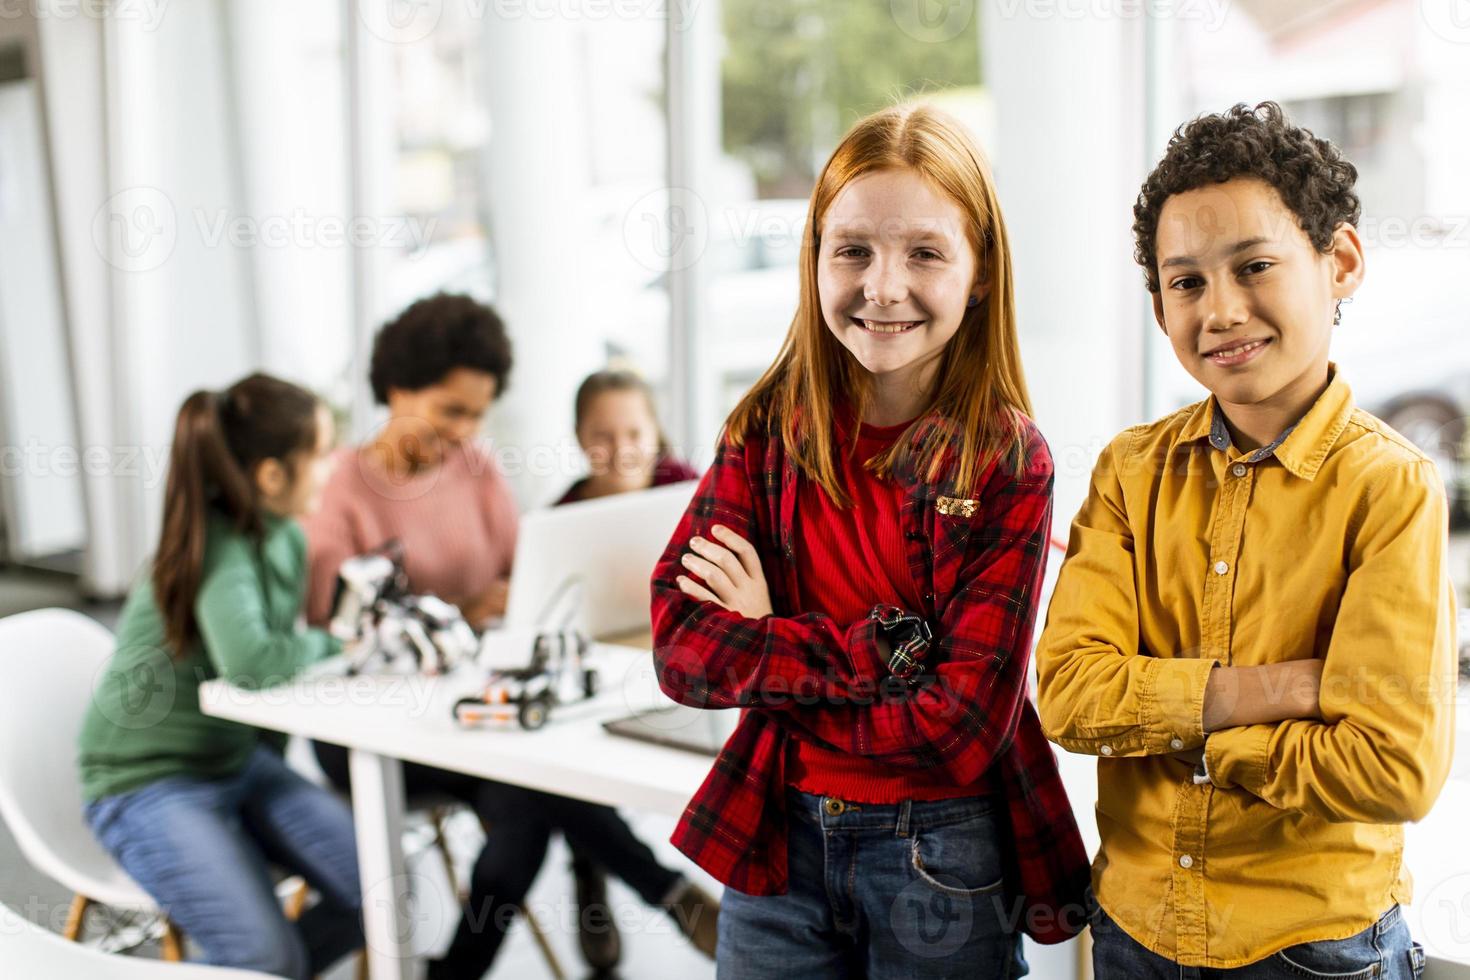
(1397, 113)
(793, 77)
(441, 123)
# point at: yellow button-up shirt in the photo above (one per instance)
(1188, 554)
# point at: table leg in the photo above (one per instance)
(377, 815)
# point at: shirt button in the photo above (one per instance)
(1221, 567)
(1106, 750)
(1185, 861)
(1238, 469)
(1176, 744)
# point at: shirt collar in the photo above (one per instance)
(1304, 444)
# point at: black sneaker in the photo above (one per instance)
(597, 933)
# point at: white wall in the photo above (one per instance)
(40, 474)
(157, 307)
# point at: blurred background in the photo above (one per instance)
(193, 189)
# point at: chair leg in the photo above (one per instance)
(437, 816)
(173, 943)
(77, 917)
(539, 934)
(296, 903)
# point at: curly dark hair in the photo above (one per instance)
(434, 336)
(1311, 176)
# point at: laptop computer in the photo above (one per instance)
(679, 727)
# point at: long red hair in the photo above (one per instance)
(978, 387)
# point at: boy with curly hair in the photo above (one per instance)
(1254, 626)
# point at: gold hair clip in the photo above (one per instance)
(956, 506)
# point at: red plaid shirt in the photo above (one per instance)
(803, 675)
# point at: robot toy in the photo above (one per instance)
(380, 620)
(557, 675)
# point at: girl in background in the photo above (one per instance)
(626, 449)
(194, 807)
(860, 569)
(619, 432)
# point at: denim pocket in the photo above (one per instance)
(960, 858)
(1353, 958)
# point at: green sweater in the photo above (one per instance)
(144, 721)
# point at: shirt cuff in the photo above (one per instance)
(1240, 757)
(1175, 702)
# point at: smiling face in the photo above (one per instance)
(1246, 300)
(620, 436)
(423, 424)
(894, 273)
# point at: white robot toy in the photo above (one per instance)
(557, 675)
(378, 618)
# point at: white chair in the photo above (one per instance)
(29, 951)
(52, 657)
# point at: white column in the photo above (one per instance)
(1069, 106)
(538, 174)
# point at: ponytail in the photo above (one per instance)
(219, 439)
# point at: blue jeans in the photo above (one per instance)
(200, 847)
(1384, 951)
(913, 890)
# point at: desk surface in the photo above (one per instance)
(409, 717)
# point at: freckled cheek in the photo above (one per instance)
(836, 292)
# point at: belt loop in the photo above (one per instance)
(901, 828)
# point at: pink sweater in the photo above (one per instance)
(457, 524)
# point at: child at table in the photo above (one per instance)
(191, 806)
(619, 432)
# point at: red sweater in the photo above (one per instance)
(847, 561)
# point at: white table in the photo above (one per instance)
(384, 720)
